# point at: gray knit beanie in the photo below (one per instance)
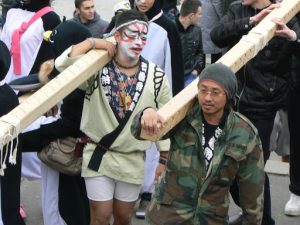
(223, 75)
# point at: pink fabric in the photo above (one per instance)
(16, 38)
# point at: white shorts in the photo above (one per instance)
(104, 188)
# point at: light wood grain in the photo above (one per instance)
(175, 110)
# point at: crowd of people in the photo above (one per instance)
(219, 149)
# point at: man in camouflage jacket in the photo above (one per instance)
(194, 188)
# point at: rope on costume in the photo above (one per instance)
(14, 129)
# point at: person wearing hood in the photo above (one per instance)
(24, 38)
(86, 15)
(170, 8)
(10, 182)
(64, 196)
(162, 25)
(164, 49)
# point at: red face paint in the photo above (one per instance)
(133, 40)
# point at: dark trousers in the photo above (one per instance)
(264, 127)
(294, 123)
(73, 203)
(10, 193)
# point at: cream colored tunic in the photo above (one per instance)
(126, 158)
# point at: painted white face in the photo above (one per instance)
(133, 40)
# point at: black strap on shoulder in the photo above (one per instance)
(105, 143)
(107, 140)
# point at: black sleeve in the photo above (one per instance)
(176, 58)
(8, 99)
(230, 29)
(199, 54)
(294, 25)
(111, 25)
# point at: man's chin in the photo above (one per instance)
(134, 58)
(208, 111)
(143, 9)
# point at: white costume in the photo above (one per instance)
(31, 167)
(156, 50)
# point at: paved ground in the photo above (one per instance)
(31, 190)
(31, 196)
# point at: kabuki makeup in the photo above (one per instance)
(133, 39)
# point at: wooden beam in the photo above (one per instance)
(49, 95)
(176, 109)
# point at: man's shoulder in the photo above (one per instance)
(237, 3)
(244, 121)
(166, 23)
(98, 19)
(236, 6)
(153, 67)
(196, 29)
(243, 133)
(243, 126)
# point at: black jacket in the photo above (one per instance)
(192, 48)
(264, 80)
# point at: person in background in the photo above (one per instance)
(10, 181)
(86, 15)
(118, 8)
(191, 39)
(280, 136)
(28, 52)
(263, 81)
(170, 8)
(65, 194)
(212, 12)
(292, 207)
(164, 49)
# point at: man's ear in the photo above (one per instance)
(117, 36)
(191, 16)
(77, 11)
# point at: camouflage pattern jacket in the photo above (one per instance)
(189, 193)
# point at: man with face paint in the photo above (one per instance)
(113, 160)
